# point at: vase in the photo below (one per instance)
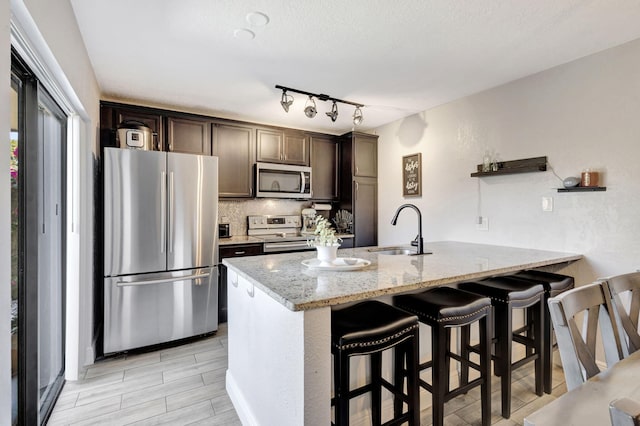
(327, 254)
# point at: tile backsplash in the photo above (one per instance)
(235, 212)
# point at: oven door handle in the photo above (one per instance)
(284, 246)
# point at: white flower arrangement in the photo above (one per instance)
(325, 235)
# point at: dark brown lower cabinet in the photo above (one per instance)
(226, 251)
(365, 212)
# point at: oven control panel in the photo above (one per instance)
(274, 222)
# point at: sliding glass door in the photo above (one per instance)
(37, 173)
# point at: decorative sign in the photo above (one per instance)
(412, 175)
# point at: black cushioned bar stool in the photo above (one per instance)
(443, 308)
(553, 285)
(507, 294)
(369, 328)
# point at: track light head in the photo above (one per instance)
(357, 116)
(310, 109)
(286, 101)
(333, 115)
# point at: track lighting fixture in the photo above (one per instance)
(357, 116)
(310, 109)
(333, 115)
(286, 101)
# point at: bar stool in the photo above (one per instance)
(507, 294)
(369, 328)
(553, 284)
(443, 308)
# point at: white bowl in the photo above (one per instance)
(350, 260)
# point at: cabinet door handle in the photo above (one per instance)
(251, 292)
(357, 170)
(357, 188)
(239, 252)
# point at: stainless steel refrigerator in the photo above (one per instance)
(160, 247)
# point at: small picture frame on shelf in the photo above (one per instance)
(412, 175)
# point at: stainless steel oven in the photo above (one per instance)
(283, 181)
(279, 234)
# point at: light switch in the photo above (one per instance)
(547, 204)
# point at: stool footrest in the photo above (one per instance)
(360, 391)
(449, 395)
(524, 340)
(465, 362)
(463, 389)
(524, 361)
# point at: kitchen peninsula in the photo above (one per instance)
(280, 317)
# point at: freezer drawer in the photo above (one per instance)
(148, 309)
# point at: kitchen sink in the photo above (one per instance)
(397, 250)
(393, 250)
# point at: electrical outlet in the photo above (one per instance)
(547, 204)
(483, 224)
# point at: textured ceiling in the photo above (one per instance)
(397, 58)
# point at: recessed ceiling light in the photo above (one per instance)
(257, 19)
(244, 34)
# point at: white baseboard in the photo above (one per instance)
(237, 398)
(90, 355)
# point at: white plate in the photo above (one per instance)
(338, 265)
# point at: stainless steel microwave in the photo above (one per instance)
(283, 181)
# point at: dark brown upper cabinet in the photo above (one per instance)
(365, 155)
(324, 165)
(111, 115)
(278, 146)
(188, 135)
(234, 145)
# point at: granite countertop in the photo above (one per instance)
(238, 239)
(285, 279)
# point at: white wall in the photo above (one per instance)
(584, 114)
(51, 28)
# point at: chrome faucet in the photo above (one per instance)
(418, 242)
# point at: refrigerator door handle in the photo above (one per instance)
(172, 211)
(161, 281)
(163, 212)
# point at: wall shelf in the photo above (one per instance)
(583, 189)
(528, 165)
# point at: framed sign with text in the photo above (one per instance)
(412, 175)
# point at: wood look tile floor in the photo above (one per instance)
(185, 385)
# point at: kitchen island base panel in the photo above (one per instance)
(278, 359)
